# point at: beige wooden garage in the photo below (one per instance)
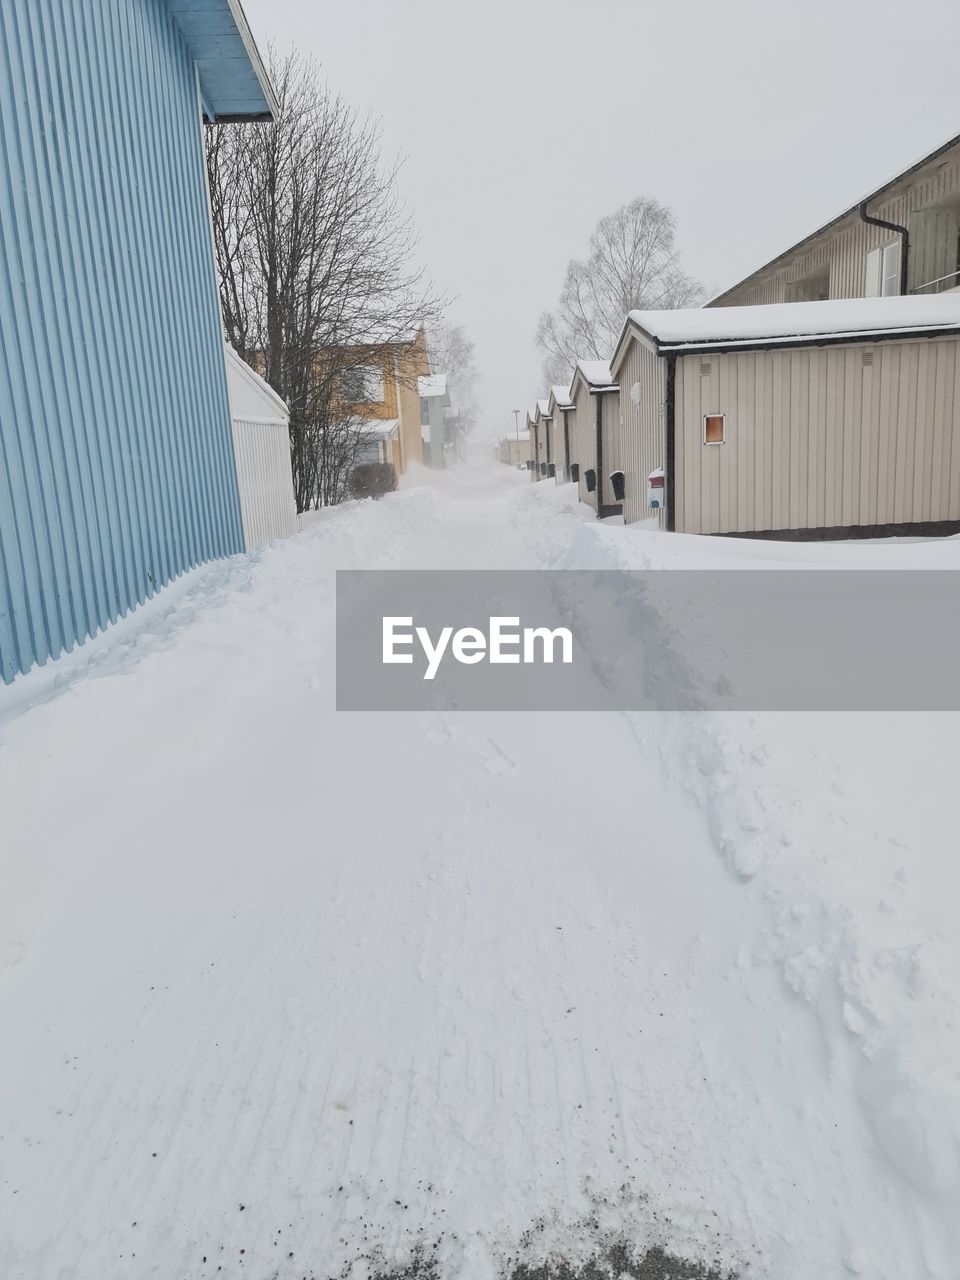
(544, 425)
(564, 431)
(800, 420)
(594, 395)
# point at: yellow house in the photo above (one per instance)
(381, 390)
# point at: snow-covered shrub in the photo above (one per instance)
(373, 479)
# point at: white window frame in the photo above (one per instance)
(890, 269)
(723, 419)
(882, 271)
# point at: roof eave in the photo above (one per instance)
(253, 53)
(834, 222)
(234, 83)
(789, 341)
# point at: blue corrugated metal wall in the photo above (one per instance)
(116, 465)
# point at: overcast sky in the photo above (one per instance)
(524, 121)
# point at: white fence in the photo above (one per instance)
(308, 518)
(267, 505)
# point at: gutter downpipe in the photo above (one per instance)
(671, 443)
(599, 451)
(902, 232)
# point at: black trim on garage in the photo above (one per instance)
(837, 532)
(671, 443)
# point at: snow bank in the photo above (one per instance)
(844, 828)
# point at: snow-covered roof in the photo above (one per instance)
(434, 385)
(543, 408)
(785, 323)
(595, 373)
(560, 396)
(378, 428)
(251, 397)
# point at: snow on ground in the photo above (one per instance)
(288, 993)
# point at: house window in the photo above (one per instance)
(362, 384)
(714, 428)
(370, 452)
(882, 277)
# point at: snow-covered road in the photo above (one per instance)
(284, 991)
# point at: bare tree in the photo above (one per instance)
(632, 264)
(315, 259)
(452, 353)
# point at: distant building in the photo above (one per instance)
(902, 238)
(544, 438)
(514, 450)
(536, 445)
(379, 388)
(117, 469)
(434, 404)
(560, 408)
(595, 397)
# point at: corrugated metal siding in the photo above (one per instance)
(929, 202)
(820, 437)
(116, 465)
(267, 502)
(641, 378)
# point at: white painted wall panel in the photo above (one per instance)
(267, 504)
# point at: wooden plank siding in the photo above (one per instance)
(545, 443)
(642, 426)
(819, 437)
(585, 423)
(565, 434)
(613, 455)
(928, 202)
(585, 412)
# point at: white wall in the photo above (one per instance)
(261, 447)
(267, 504)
